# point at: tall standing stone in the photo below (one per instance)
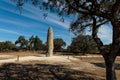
(50, 42)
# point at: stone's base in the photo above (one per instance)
(49, 53)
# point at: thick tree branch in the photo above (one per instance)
(103, 23)
(96, 38)
(116, 37)
(88, 25)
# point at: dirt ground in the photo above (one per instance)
(34, 66)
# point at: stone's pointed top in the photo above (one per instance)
(50, 28)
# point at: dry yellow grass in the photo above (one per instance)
(97, 70)
(22, 53)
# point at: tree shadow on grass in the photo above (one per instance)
(117, 66)
(12, 71)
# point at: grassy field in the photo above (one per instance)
(99, 63)
(84, 68)
(22, 53)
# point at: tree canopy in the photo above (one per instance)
(59, 44)
(34, 43)
(22, 42)
(83, 44)
(7, 46)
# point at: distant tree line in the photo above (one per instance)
(80, 44)
(7, 46)
(33, 44)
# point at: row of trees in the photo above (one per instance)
(80, 44)
(7, 46)
(34, 43)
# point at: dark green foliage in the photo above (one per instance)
(7, 46)
(83, 44)
(34, 43)
(59, 44)
(21, 42)
(31, 42)
(38, 43)
(107, 47)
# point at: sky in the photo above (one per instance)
(31, 22)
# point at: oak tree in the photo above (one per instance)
(59, 44)
(94, 14)
(83, 44)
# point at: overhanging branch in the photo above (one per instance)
(87, 11)
(103, 23)
(96, 38)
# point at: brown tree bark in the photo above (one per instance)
(112, 16)
(109, 56)
(110, 67)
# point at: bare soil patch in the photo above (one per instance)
(34, 66)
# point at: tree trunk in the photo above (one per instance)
(110, 67)
(109, 55)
